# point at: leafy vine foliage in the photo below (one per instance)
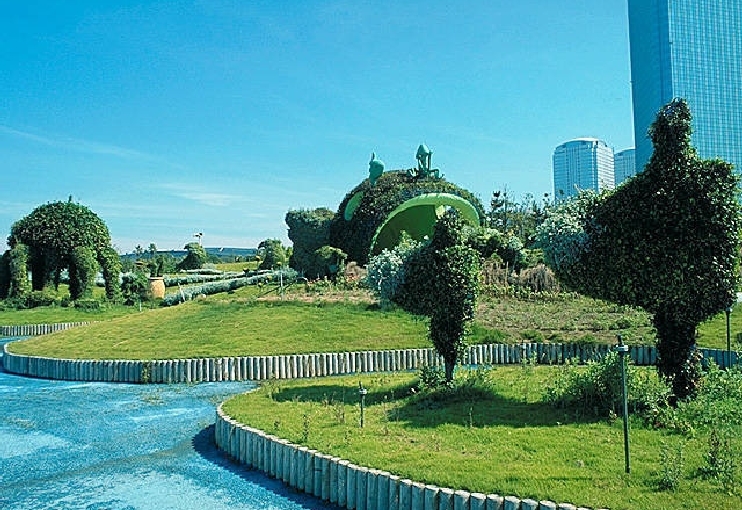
(439, 279)
(52, 236)
(195, 257)
(309, 230)
(454, 270)
(272, 254)
(667, 241)
(355, 235)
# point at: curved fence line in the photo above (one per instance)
(38, 329)
(298, 366)
(347, 485)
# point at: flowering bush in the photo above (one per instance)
(386, 271)
(562, 236)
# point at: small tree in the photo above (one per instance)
(134, 287)
(667, 241)
(194, 259)
(330, 261)
(454, 286)
(272, 254)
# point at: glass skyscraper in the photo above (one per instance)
(624, 165)
(582, 164)
(690, 49)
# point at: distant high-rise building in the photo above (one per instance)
(691, 49)
(624, 165)
(582, 164)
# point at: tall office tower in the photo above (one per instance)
(691, 49)
(582, 164)
(624, 165)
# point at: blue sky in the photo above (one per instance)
(218, 116)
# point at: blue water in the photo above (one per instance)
(72, 445)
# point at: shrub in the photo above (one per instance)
(308, 231)
(46, 297)
(386, 271)
(111, 267)
(467, 386)
(195, 257)
(413, 294)
(372, 205)
(4, 274)
(217, 287)
(329, 262)
(83, 270)
(18, 269)
(385, 274)
(272, 254)
(454, 268)
(431, 378)
(596, 388)
(539, 279)
(134, 287)
(52, 233)
(716, 404)
(667, 241)
(88, 305)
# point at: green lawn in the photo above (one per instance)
(55, 314)
(713, 334)
(316, 319)
(506, 441)
(220, 327)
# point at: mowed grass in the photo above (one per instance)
(320, 319)
(506, 441)
(49, 315)
(221, 327)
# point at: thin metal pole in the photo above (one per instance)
(729, 339)
(622, 350)
(362, 392)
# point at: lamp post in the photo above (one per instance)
(362, 393)
(622, 351)
(728, 312)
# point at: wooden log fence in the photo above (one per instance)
(339, 482)
(299, 366)
(38, 329)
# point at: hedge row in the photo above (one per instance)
(186, 294)
(190, 279)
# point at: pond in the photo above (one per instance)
(76, 445)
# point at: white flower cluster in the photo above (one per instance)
(386, 271)
(562, 235)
